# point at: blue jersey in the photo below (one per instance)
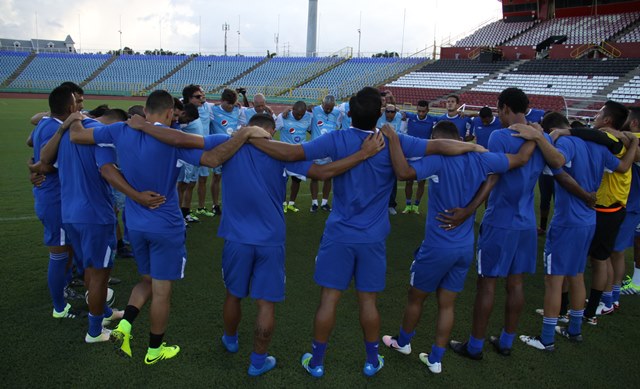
(482, 131)
(534, 115)
(463, 123)
(247, 218)
(225, 122)
(454, 182)
(345, 121)
(85, 196)
(585, 162)
(511, 201)
(292, 130)
(321, 123)
(360, 195)
(420, 128)
(148, 164)
(396, 123)
(245, 115)
(195, 127)
(205, 117)
(49, 191)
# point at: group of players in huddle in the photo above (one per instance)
(80, 160)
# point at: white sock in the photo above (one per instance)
(314, 202)
(324, 201)
(636, 276)
(292, 203)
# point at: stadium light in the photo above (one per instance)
(225, 28)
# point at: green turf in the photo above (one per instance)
(39, 351)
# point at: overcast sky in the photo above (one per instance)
(192, 26)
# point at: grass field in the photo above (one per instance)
(40, 351)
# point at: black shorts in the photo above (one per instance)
(607, 227)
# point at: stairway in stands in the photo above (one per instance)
(19, 70)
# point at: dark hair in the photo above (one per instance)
(300, 105)
(75, 88)
(177, 104)
(485, 112)
(99, 110)
(229, 95)
(576, 124)
(515, 99)
(188, 91)
(60, 99)
(445, 129)
(554, 120)
(116, 114)
(455, 97)
(136, 110)
(365, 107)
(159, 101)
(191, 112)
(617, 112)
(263, 120)
(423, 103)
(634, 113)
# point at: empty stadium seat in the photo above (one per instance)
(9, 62)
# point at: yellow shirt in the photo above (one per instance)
(614, 188)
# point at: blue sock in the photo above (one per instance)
(548, 330)
(257, 360)
(318, 354)
(416, 203)
(231, 339)
(372, 352)
(506, 339)
(607, 299)
(107, 311)
(475, 345)
(616, 293)
(57, 280)
(95, 325)
(575, 321)
(408, 202)
(404, 338)
(436, 354)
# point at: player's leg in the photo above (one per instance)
(419, 194)
(313, 188)
(552, 302)
(295, 188)
(215, 190)
(203, 173)
(323, 323)
(408, 194)
(326, 191)
(261, 362)
(444, 325)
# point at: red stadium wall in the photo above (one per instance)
(602, 9)
(508, 52)
(627, 50)
(451, 52)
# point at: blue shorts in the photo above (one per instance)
(162, 256)
(503, 252)
(188, 173)
(203, 171)
(435, 268)
(94, 245)
(51, 217)
(337, 263)
(566, 250)
(259, 269)
(118, 199)
(628, 231)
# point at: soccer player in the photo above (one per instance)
(632, 286)
(259, 106)
(345, 119)
(443, 259)
(507, 242)
(326, 118)
(293, 129)
(572, 227)
(534, 115)
(453, 114)
(420, 125)
(158, 235)
(392, 117)
(353, 244)
(483, 125)
(190, 123)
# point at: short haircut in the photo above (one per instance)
(60, 99)
(455, 97)
(329, 99)
(191, 112)
(515, 99)
(423, 103)
(136, 110)
(99, 110)
(576, 124)
(159, 101)
(116, 114)
(445, 129)
(263, 120)
(188, 91)
(634, 113)
(75, 88)
(177, 104)
(229, 95)
(365, 107)
(485, 112)
(617, 112)
(554, 120)
(300, 105)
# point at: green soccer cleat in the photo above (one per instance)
(630, 289)
(415, 209)
(67, 313)
(204, 212)
(121, 340)
(155, 355)
(292, 208)
(407, 209)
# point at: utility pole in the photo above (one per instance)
(359, 33)
(120, 31)
(225, 28)
(238, 35)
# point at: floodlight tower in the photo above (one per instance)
(225, 28)
(312, 28)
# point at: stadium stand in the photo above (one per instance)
(628, 93)
(9, 63)
(631, 36)
(495, 34)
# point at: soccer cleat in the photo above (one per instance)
(535, 342)
(71, 294)
(460, 348)
(191, 219)
(284, 207)
(564, 319)
(269, 364)
(121, 341)
(216, 210)
(392, 343)
(590, 320)
(407, 209)
(326, 207)
(204, 212)
(160, 353)
(230, 347)
(415, 209)
(314, 208)
(630, 288)
(116, 315)
(292, 208)
(317, 371)
(392, 211)
(103, 337)
(627, 280)
(435, 367)
(603, 310)
(67, 313)
(616, 305)
(564, 332)
(369, 370)
(495, 342)
(111, 297)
